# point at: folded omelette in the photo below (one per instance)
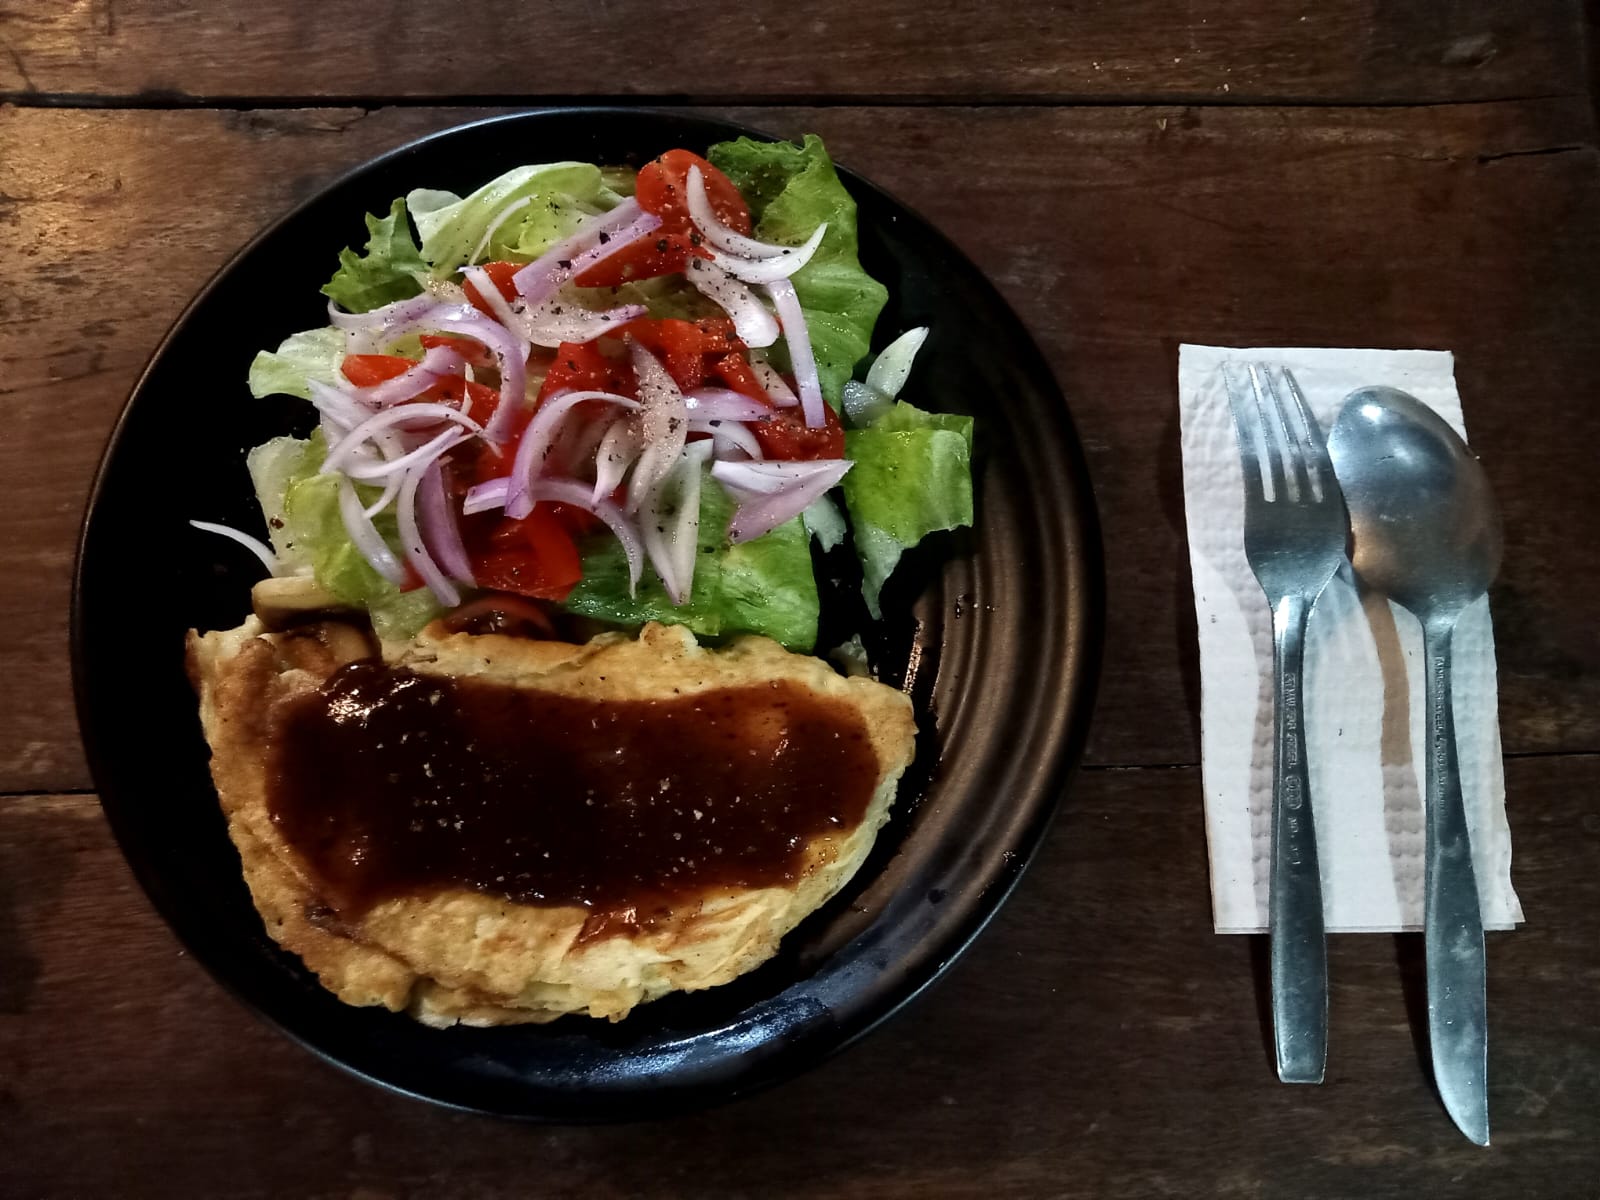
(488, 829)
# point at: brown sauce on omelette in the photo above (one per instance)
(390, 783)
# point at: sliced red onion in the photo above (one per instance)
(440, 530)
(543, 277)
(568, 491)
(400, 414)
(256, 546)
(776, 387)
(663, 426)
(412, 541)
(617, 451)
(463, 320)
(387, 469)
(338, 407)
(800, 355)
(722, 236)
(771, 493)
(575, 446)
(438, 363)
(728, 435)
(669, 522)
(500, 218)
(751, 320)
(779, 266)
(366, 537)
(889, 370)
(369, 330)
(484, 496)
(724, 404)
(538, 439)
(556, 321)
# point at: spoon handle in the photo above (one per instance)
(1452, 920)
(1299, 945)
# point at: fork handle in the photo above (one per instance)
(1299, 943)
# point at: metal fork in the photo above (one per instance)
(1295, 534)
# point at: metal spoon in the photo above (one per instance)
(1425, 531)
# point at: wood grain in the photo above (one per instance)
(1116, 233)
(159, 51)
(1098, 1041)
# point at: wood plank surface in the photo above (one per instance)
(1116, 233)
(1097, 1041)
(161, 51)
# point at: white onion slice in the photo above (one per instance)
(663, 426)
(372, 470)
(800, 355)
(366, 537)
(490, 295)
(255, 545)
(728, 435)
(669, 522)
(366, 331)
(440, 529)
(556, 321)
(771, 493)
(751, 320)
(543, 277)
(391, 489)
(618, 450)
(779, 266)
(889, 370)
(724, 404)
(484, 496)
(400, 414)
(777, 388)
(722, 236)
(538, 439)
(337, 406)
(863, 403)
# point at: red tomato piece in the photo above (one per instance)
(662, 189)
(365, 370)
(735, 371)
(581, 367)
(535, 557)
(786, 437)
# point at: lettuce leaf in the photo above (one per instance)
(559, 196)
(302, 512)
(763, 586)
(388, 270)
(912, 477)
(791, 190)
(289, 370)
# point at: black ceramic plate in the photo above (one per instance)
(994, 634)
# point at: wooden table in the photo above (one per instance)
(1132, 176)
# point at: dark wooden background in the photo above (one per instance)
(1131, 175)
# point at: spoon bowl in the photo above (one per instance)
(1423, 522)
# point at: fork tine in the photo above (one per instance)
(1280, 447)
(1248, 433)
(1319, 468)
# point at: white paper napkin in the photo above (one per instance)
(1363, 692)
